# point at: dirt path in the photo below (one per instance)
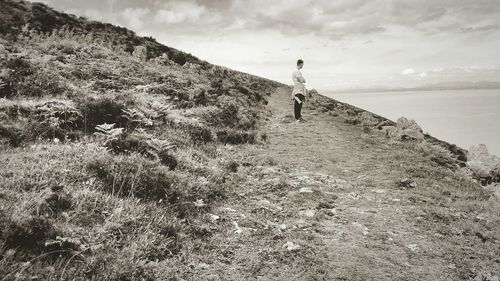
(327, 189)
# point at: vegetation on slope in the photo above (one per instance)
(109, 161)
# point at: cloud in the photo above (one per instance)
(135, 17)
(354, 40)
(179, 12)
(334, 19)
(408, 71)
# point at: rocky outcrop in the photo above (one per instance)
(367, 119)
(485, 166)
(162, 60)
(141, 53)
(404, 130)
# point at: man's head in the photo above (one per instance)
(300, 64)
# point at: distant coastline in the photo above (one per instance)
(464, 117)
(483, 85)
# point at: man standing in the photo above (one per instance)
(299, 91)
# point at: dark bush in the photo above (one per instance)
(67, 49)
(46, 130)
(235, 137)
(224, 116)
(129, 144)
(28, 235)
(42, 84)
(14, 135)
(263, 137)
(133, 177)
(167, 159)
(232, 166)
(20, 67)
(198, 134)
(58, 202)
(178, 57)
(99, 111)
(61, 58)
(6, 89)
(256, 96)
(200, 97)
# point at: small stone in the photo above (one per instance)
(282, 226)
(214, 218)
(307, 213)
(291, 247)
(407, 183)
(413, 247)
(305, 190)
(237, 228)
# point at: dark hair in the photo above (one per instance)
(300, 62)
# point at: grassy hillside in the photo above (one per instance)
(109, 160)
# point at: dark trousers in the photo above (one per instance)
(297, 107)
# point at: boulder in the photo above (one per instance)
(162, 60)
(483, 164)
(312, 93)
(2, 49)
(405, 130)
(140, 52)
(366, 118)
(384, 123)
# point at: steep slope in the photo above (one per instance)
(110, 145)
(123, 159)
(20, 16)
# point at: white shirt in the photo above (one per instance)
(298, 83)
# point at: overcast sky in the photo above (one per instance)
(345, 43)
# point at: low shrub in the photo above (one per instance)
(198, 134)
(128, 144)
(27, 235)
(56, 202)
(49, 129)
(167, 159)
(235, 137)
(101, 111)
(224, 116)
(133, 176)
(232, 166)
(6, 89)
(14, 135)
(264, 137)
(20, 67)
(42, 84)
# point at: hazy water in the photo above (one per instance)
(463, 117)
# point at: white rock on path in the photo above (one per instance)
(290, 246)
(307, 213)
(305, 190)
(238, 229)
(413, 247)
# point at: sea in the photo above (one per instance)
(462, 117)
